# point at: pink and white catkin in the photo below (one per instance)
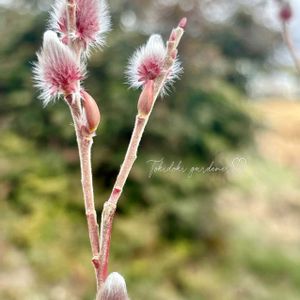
(92, 22)
(57, 71)
(114, 288)
(147, 63)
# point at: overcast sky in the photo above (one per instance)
(295, 24)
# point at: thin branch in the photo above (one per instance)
(71, 19)
(130, 157)
(111, 205)
(290, 45)
(85, 142)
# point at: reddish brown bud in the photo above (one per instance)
(286, 13)
(146, 99)
(172, 37)
(91, 111)
(182, 23)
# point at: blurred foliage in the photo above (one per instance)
(167, 225)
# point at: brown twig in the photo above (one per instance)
(290, 45)
(130, 157)
(84, 141)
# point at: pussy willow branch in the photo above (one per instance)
(84, 141)
(290, 45)
(130, 157)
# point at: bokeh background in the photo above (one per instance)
(224, 235)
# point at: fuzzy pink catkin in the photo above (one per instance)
(147, 64)
(57, 71)
(92, 21)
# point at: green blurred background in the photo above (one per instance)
(222, 235)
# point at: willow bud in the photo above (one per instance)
(114, 288)
(91, 110)
(286, 13)
(172, 37)
(182, 23)
(148, 63)
(146, 99)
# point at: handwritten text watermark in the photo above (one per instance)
(160, 166)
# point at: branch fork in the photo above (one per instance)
(76, 26)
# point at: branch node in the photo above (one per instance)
(96, 261)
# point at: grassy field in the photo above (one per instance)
(281, 143)
(260, 209)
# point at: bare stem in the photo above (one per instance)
(71, 19)
(110, 205)
(130, 157)
(290, 45)
(85, 141)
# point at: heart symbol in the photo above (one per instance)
(239, 163)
